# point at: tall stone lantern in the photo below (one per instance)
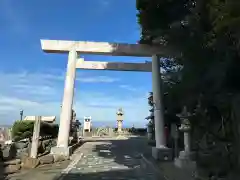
(184, 159)
(150, 118)
(119, 119)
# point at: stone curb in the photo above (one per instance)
(74, 159)
(154, 167)
(71, 165)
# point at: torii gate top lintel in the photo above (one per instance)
(102, 48)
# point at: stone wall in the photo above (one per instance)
(18, 149)
(16, 155)
(12, 163)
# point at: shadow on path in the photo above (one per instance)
(123, 150)
(121, 159)
(130, 174)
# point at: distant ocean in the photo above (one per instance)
(112, 124)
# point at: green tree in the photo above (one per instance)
(205, 33)
(24, 129)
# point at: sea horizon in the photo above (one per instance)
(111, 124)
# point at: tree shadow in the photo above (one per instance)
(123, 150)
(109, 175)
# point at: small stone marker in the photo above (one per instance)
(35, 138)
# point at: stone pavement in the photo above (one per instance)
(168, 170)
(116, 159)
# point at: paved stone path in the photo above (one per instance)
(103, 160)
(113, 160)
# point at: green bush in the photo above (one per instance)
(24, 129)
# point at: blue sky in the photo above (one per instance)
(33, 80)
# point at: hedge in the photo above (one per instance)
(134, 130)
(24, 129)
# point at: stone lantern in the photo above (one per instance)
(150, 118)
(119, 119)
(184, 159)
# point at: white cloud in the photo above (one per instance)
(25, 79)
(35, 90)
(40, 93)
(128, 87)
(100, 79)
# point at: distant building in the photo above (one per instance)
(87, 125)
(5, 134)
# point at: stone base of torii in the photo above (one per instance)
(160, 152)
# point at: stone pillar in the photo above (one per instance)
(150, 132)
(66, 111)
(35, 137)
(160, 152)
(119, 125)
(187, 145)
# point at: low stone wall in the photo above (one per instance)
(18, 149)
(9, 166)
(13, 156)
(13, 166)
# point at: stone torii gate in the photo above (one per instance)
(74, 48)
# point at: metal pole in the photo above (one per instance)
(21, 115)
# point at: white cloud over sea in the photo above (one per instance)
(40, 93)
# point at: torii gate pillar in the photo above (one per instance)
(62, 147)
(160, 152)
